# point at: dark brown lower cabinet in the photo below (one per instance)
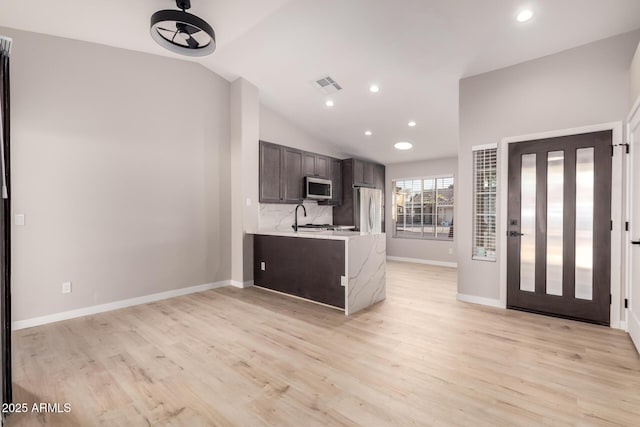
(307, 268)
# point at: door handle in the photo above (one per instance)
(515, 234)
(635, 242)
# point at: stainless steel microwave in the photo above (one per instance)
(317, 188)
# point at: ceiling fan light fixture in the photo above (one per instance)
(181, 32)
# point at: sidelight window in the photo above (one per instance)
(423, 208)
(485, 174)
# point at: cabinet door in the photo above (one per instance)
(309, 167)
(270, 173)
(358, 172)
(367, 176)
(292, 175)
(336, 181)
(323, 166)
(378, 176)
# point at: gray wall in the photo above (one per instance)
(430, 250)
(582, 86)
(244, 106)
(121, 165)
(635, 77)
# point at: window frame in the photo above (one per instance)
(394, 208)
(474, 237)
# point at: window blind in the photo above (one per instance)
(485, 162)
(423, 208)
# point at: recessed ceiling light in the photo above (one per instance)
(329, 103)
(368, 133)
(403, 145)
(524, 15)
(374, 89)
(411, 123)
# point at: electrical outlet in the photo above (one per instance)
(450, 251)
(19, 219)
(66, 288)
(344, 281)
(263, 266)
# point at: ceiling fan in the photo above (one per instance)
(182, 32)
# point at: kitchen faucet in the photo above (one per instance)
(295, 215)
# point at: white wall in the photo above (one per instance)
(121, 164)
(275, 128)
(634, 74)
(430, 250)
(582, 86)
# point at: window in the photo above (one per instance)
(484, 202)
(423, 208)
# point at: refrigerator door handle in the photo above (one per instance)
(370, 213)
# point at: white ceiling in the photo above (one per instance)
(415, 50)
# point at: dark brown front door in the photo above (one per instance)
(559, 238)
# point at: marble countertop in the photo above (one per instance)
(330, 235)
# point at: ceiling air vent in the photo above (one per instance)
(327, 85)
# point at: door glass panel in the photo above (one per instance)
(528, 223)
(584, 223)
(555, 211)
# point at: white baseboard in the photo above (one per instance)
(480, 300)
(94, 309)
(239, 284)
(622, 325)
(633, 327)
(423, 261)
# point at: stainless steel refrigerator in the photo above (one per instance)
(369, 204)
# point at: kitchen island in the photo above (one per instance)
(342, 269)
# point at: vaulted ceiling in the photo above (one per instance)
(414, 50)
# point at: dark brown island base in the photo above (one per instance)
(342, 269)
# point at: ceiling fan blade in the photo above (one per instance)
(189, 29)
(193, 43)
(173, 37)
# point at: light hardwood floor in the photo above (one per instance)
(247, 357)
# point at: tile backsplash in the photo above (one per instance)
(279, 217)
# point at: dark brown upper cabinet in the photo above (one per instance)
(316, 165)
(282, 172)
(309, 168)
(357, 173)
(323, 165)
(270, 173)
(378, 177)
(292, 176)
(335, 175)
(363, 173)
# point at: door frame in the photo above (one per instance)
(616, 209)
(633, 120)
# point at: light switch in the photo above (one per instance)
(344, 281)
(263, 266)
(19, 219)
(248, 202)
